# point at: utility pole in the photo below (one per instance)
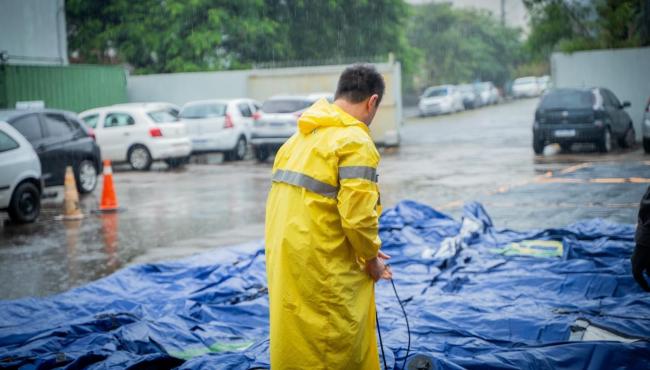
(503, 12)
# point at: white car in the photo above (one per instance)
(139, 134)
(441, 99)
(526, 87)
(20, 176)
(488, 93)
(544, 83)
(220, 125)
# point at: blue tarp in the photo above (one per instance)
(476, 297)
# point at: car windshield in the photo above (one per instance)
(440, 91)
(567, 99)
(284, 105)
(162, 116)
(204, 111)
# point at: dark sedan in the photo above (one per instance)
(591, 115)
(60, 139)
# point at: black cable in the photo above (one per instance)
(408, 328)
(381, 344)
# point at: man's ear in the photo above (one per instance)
(373, 101)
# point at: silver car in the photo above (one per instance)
(20, 176)
(277, 121)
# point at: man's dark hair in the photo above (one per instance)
(358, 82)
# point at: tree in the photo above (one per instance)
(568, 26)
(191, 35)
(462, 45)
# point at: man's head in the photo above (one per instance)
(359, 91)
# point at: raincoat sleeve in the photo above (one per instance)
(358, 197)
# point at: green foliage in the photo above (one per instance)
(157, 36)
(462, 45)
(568, 26)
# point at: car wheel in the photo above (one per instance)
(239, 151)
(628, 140)
(646, 145)
(25, 205)
(86, 176)
(262, 153)
(538, 146)
(139, 158)
(605, 143)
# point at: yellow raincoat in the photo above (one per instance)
(321, 225)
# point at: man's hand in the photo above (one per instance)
(377, 268)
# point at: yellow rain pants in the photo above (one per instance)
(321, 225)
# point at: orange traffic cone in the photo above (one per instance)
(71, 210)
(109, 199)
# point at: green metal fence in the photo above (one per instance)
(74, 87)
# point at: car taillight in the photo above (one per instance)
(155, 132)
(91, 133)
(227, 123)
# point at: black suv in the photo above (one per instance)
(60, 139)
(566, 116)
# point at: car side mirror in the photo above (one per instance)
(625, 104)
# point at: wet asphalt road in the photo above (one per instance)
(444, 161)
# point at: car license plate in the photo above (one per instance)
(565, 133)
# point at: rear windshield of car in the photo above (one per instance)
(567, 99)
(285, 105)
(162, 116)
(435, 92)
(204, 111)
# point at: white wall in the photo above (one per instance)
(33, 31)
(179, 88)
(626, 72)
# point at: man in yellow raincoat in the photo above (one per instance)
(322, 246)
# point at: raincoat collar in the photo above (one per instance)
(324, 114)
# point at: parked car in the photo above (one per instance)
(20, 176)
(544, 83)
(471, 96)
(139, 134)
(488, 92)
(526, 87)
(440, 100)
(646, 128)
(220, 125)
(594, 115)
(60, 139)
(277, 120)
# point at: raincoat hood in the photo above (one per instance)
(323, 114)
